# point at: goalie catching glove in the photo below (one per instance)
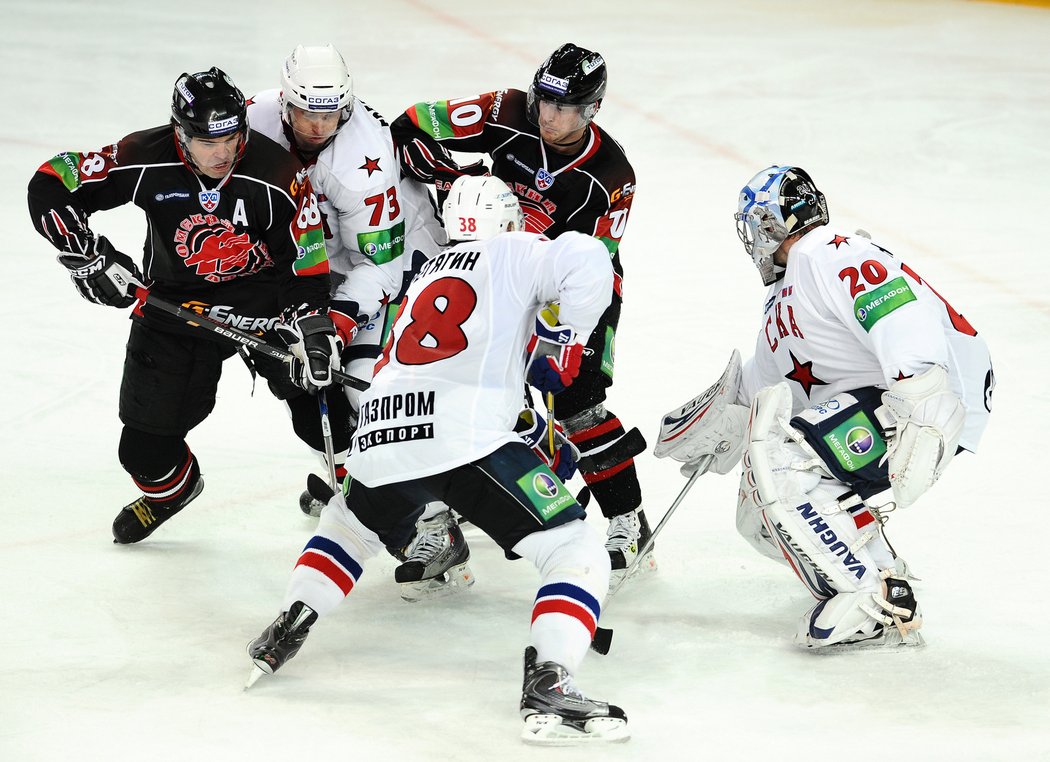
(532, 428)
(925, 421)
(312, 339)
(709, 425)
(102, 274)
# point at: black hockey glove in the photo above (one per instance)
(430, 162)
(66, 227)
(315, 346)
(105, 275)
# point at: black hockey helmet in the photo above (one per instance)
(571, 76)
(208, 105)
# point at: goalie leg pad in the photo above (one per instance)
(829, 550)
(751, 527)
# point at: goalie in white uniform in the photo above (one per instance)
(864, 384)
(438, 423)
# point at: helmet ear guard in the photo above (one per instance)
(778, 202)
(479, 208)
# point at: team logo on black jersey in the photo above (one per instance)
(217, 251)
(544, 179)
(536, 218)
(209, 199)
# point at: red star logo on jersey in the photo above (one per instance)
(802, 374)
(371, 165)
(839, 240)
(901, 376)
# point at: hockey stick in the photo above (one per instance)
(234, 335)
(602, 640)
(550, 422)
(326, 432)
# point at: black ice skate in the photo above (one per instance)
(138, 520)
(316, 496)
(436, 561)
(557, 714)
(628, 534)
(281, 640)
(310, 505)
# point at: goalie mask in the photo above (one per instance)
(478, 208)
(776, 203)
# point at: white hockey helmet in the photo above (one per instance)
(776, 203)
(316, 79)
(478, 208)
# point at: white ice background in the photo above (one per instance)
(925, 123)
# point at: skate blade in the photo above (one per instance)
(645, 566)
(553, 730)
(456, 580)
(253, 678)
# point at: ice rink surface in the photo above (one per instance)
(925, 123)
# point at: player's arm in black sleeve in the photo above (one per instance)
(304, 285)
(69, 187)
(298, 248)
(62, 194)
(424, 154)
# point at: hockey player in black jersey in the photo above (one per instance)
(234, 234)
(568, 174)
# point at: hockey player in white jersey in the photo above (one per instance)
(377, 227)
(438, 423)
(864, 384)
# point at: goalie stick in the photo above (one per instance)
(234, 335)
(602, 640)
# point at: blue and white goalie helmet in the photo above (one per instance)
(478, 208)
(776, 203)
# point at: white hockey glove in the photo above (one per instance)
(711, 424)
(313, 342)
(928, 421)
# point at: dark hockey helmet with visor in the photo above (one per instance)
(776, 203)
(571, 76)
(208, 105)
